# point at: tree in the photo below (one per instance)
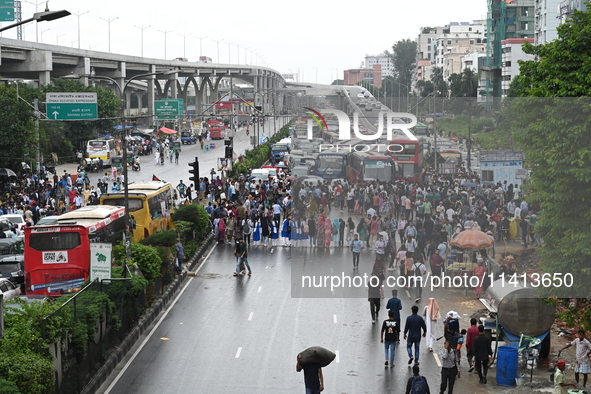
(439, 84)
(425, 87)
(455, 85)
(556, 141)
(16, 129)
(338, 82)
(562, 67)
(404, 60)
(370, 87)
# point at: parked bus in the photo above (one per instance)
(452, 156)
(410, 160)
(58, 255)
(150, 203)
(331, 165)
(101, 149)
(370, 166)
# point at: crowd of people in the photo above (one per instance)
(407, 225)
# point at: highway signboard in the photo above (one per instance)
(169, 108)
(71, 106)
(6, 10)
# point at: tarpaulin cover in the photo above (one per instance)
(317, 355)
(167, 130)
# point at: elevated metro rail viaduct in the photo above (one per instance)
(40, 62)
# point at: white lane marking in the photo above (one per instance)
(250, 316)
(437, 359)
(407, 293)
(338, 357)
(120, 374)
(335, 318)
(260, 288)
(238, 352)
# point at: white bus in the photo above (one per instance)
(101, 149)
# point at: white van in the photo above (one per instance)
(259, 174)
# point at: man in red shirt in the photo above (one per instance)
(470, 335)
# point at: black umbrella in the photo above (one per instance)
(6, 173)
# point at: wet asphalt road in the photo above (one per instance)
(242, 334)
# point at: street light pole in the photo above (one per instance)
(201, 45)
(229, 52)
(165, 32)
(109, 20)
(79, 15)
(43, 31)
(142, 27)
(218, 43)
(57, 38)
(36, 10)
(184, 42)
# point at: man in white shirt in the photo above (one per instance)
(371, 212)
(450, 214)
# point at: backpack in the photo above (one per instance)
(335, 230)
(417, 268)
(418, 385)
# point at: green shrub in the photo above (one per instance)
(197, 215)
(191, 248)
(165, 238)
(32, 373)
(146, 257)
(8, 387)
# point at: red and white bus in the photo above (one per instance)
(371, 166)
(57, 257)
(410, 159)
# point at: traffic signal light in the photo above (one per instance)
(194, 171)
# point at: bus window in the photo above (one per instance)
(135, 204)
(54, 241)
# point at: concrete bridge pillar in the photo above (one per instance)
(151, 93)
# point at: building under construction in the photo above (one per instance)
(506, 19)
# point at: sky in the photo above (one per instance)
(317, 39)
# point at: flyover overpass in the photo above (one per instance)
(40, 62)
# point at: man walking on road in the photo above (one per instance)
(471, 334)
(313, 378)
(180, 255)
(395, 305)
(375, 293)
(482, 354)
(242, 254)
(417, 383)
(414, 325)
(356, 246)
(450, 368)
(391, 328)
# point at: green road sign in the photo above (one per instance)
(7, 3)
(71, 111)
(71, 106)
(7, 14)
(169, 108)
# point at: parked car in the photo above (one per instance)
(8, 289)
(16, 219)
(12, 266)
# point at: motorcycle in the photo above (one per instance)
(136, 167)
(247, 131)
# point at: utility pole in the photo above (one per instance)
(142, 27)
(109, 20)
(165, 32)
(79, 14)
(184, 42)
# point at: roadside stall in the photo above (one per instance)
(461, 261)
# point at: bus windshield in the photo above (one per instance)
(135, 204)
(97, 144)
(378, 169)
